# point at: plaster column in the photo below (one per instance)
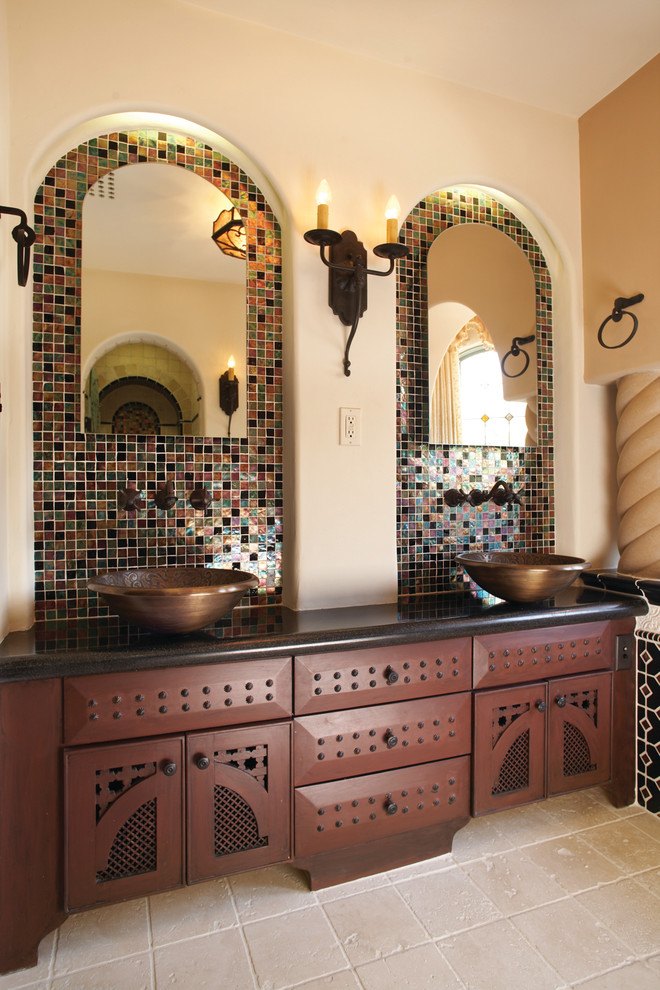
(638, 474)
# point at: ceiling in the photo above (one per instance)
(562, 56)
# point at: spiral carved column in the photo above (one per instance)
(638, 474)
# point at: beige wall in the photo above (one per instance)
(304, 111)
(619, 164)
(6, 288)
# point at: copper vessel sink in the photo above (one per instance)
(521, 577)
(172, 599)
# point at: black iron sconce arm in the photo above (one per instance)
(620, 309)
(348, 271)
(24, 236)
(501, 494)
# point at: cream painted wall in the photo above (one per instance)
(5, 289)
(619, 156)
(205, 321)
(302, 111)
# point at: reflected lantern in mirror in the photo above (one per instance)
(229, 233)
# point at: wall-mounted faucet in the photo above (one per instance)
(200, 498)
(501, 493)
(165, 497)
(130, 499)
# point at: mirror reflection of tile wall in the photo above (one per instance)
(429, 534)
(78, 528)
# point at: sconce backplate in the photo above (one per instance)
(349, 252)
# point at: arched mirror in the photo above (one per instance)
(481, 299)
(163, 308)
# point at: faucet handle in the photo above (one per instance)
(130, 499)
(200, 498)
(165, 497)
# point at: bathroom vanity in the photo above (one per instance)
(346, 741)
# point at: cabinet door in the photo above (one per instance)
(579, 722)
(509, 747)
(123, 820)
(239, 801)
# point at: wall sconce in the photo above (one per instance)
(24, 236)
(229, 392)
(229, 233)
(347, 263)
(621, 304)
(516, 349)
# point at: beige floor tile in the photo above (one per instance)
(573, 863)
(600, 794)
(624, 844)
(423, 968)
(28, 977)
(648, 823)
(480, 837)
(579, 810)
(195, 910)
(213, 962)
(105, 933)
(650, 881)
(497, 957)
(271, 891)
(423, 867)
(352, 887)
(448, 902)
(374, 924)
(529, 824)
(133, 973)
(292, 948)
(630, 911)
(346, 980)
(571, 940)
(635, 976)
(653, 962)
(514, 882)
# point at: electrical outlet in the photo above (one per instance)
(350, 431)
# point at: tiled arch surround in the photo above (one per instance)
(429, 535)
(78, 529)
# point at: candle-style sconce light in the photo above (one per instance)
(229, 392)
(621, 309)
(24, 236)
(347, 263)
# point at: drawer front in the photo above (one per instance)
(537, 654)
(365, 740)
(352, 678)
(349, 812)
(125, 705)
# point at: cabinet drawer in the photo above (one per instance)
(352, 678)
(365, 740)
(349, 812)
(536, 654)
(121, 706)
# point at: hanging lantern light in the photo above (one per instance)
(229, 233)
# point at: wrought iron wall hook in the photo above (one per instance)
(348, 272)
(24, 236)
(517, 348)
(620, 309)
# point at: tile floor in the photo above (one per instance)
(556, 895)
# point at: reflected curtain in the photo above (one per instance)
(446, 401)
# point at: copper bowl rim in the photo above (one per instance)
(513, 558)
(242, 582)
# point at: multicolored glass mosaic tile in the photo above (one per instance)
(430, 534)
(79, 529)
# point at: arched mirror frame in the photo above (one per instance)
(429, 534)
(78, 530)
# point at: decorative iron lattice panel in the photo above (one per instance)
(112, 782)
(506, 716)
(235, 827)
(134, 849)
(577, 756)
(514, 770)
(587, 702)
(249, 759)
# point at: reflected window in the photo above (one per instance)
(486, 416)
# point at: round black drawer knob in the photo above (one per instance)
(391, 808)
(202, 762)
(560, 701)
(391, 675)
(391, 739)
(540, 705)
(169, 769)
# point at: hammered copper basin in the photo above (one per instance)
(521, 577)
(172, 599)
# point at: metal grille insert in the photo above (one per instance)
(514, 769)
(585, 701)
(112, 782)
(249, 759)
(577, 758)
(235, 827)
(134, 850)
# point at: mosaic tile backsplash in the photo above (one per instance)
(78, 527)
(429, 534)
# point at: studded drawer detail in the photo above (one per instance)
(349, 812)
(123, 706)
(344, 744)
(514, 658)
(353, 678)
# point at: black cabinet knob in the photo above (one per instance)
(560, 701)
(391, 808)
(391, 739)
(202, 762)
(541, 705)
(169, 769)
(391, 676)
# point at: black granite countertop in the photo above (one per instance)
(60, 649)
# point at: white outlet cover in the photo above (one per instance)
(350, 426)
